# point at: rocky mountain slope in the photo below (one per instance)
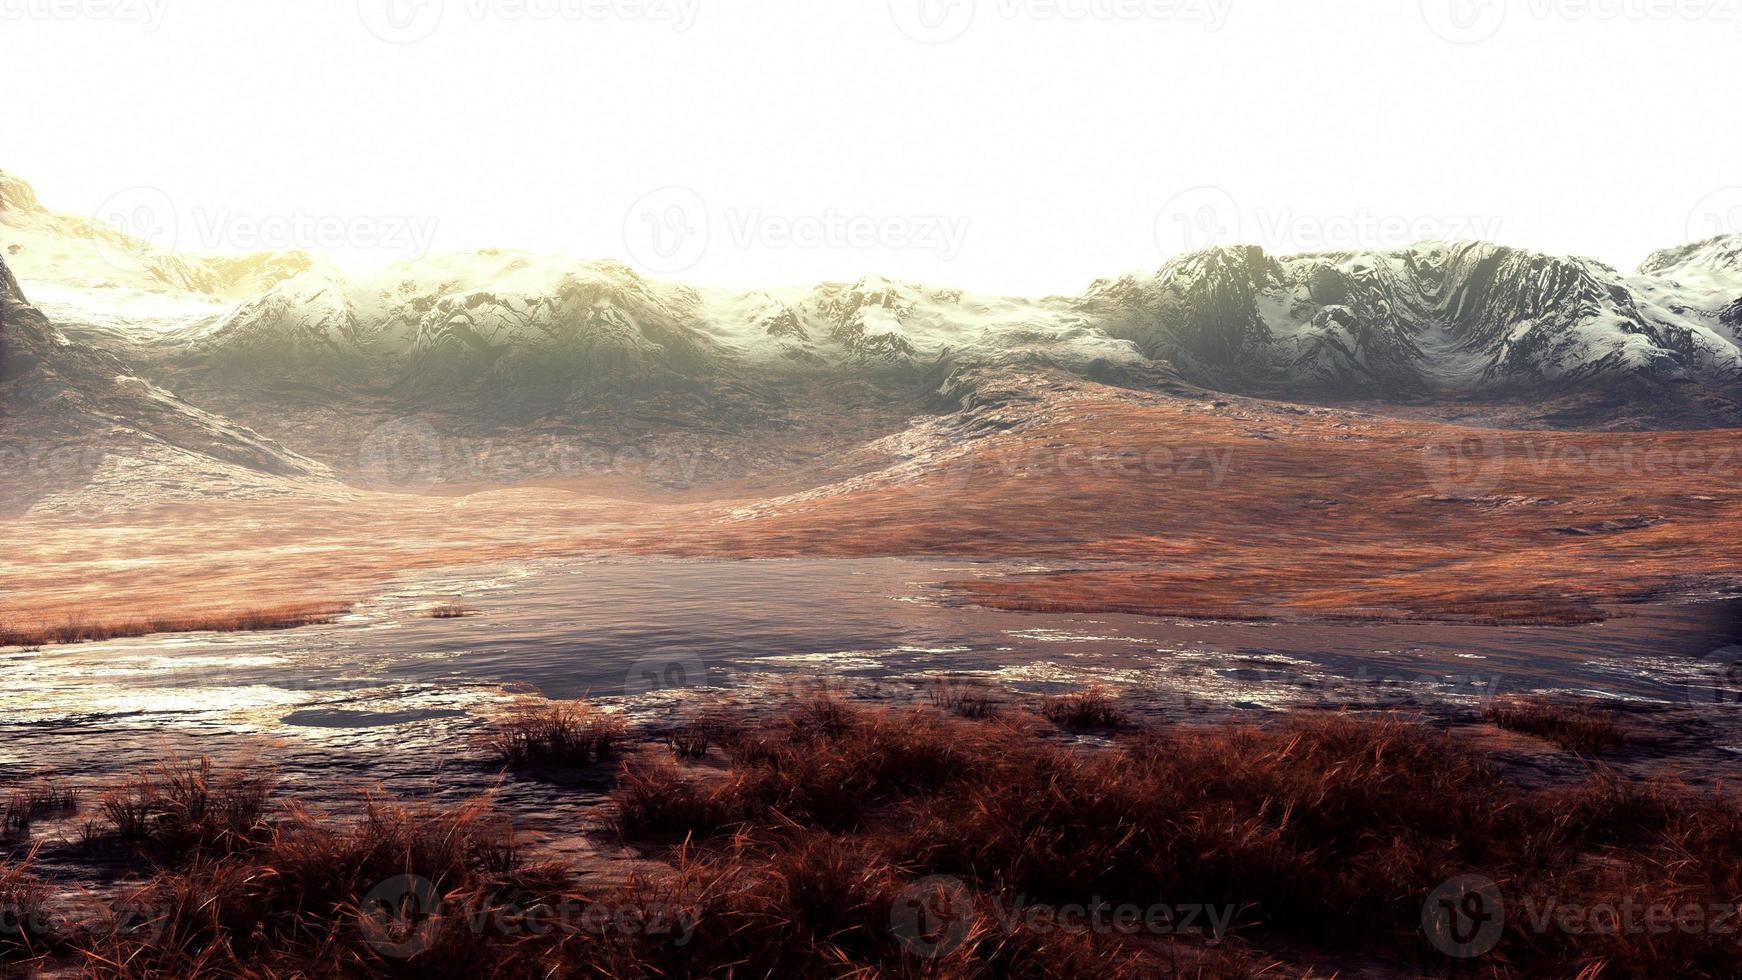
(1434, 318)
(508, 327)
(78, 429)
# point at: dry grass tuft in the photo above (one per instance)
(561, 734)
(971, 701)
(1083, 710)
(691, 739)
(38, 799)
(1576, 726)
(450, 610)
(180, 807)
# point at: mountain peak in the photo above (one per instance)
(16, 194)
(1720, 254)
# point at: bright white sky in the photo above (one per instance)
(1021, 146)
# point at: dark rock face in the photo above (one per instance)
(25, 335)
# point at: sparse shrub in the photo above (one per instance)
(571, 734)
(449, 610)
(179, 807)
(974, 703)
(653, 798)
(40, 799)
(1083, 710)
(1575, 726)
(691, 739)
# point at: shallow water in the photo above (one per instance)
(388, 695)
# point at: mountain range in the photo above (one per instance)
(265, 373)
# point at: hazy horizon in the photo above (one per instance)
(1020, 148)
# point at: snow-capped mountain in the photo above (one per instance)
(506, 338)
(500, 324)
(77, 251)
(1721, 254)
(1431, 318)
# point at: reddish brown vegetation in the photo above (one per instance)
(1330, 831)
(1093, 708)
(78, 629)
(1318, 513)
(572, 734)
(840, 841)
(180, 807)
(1576, 726)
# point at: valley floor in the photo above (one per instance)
(1214, 507)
